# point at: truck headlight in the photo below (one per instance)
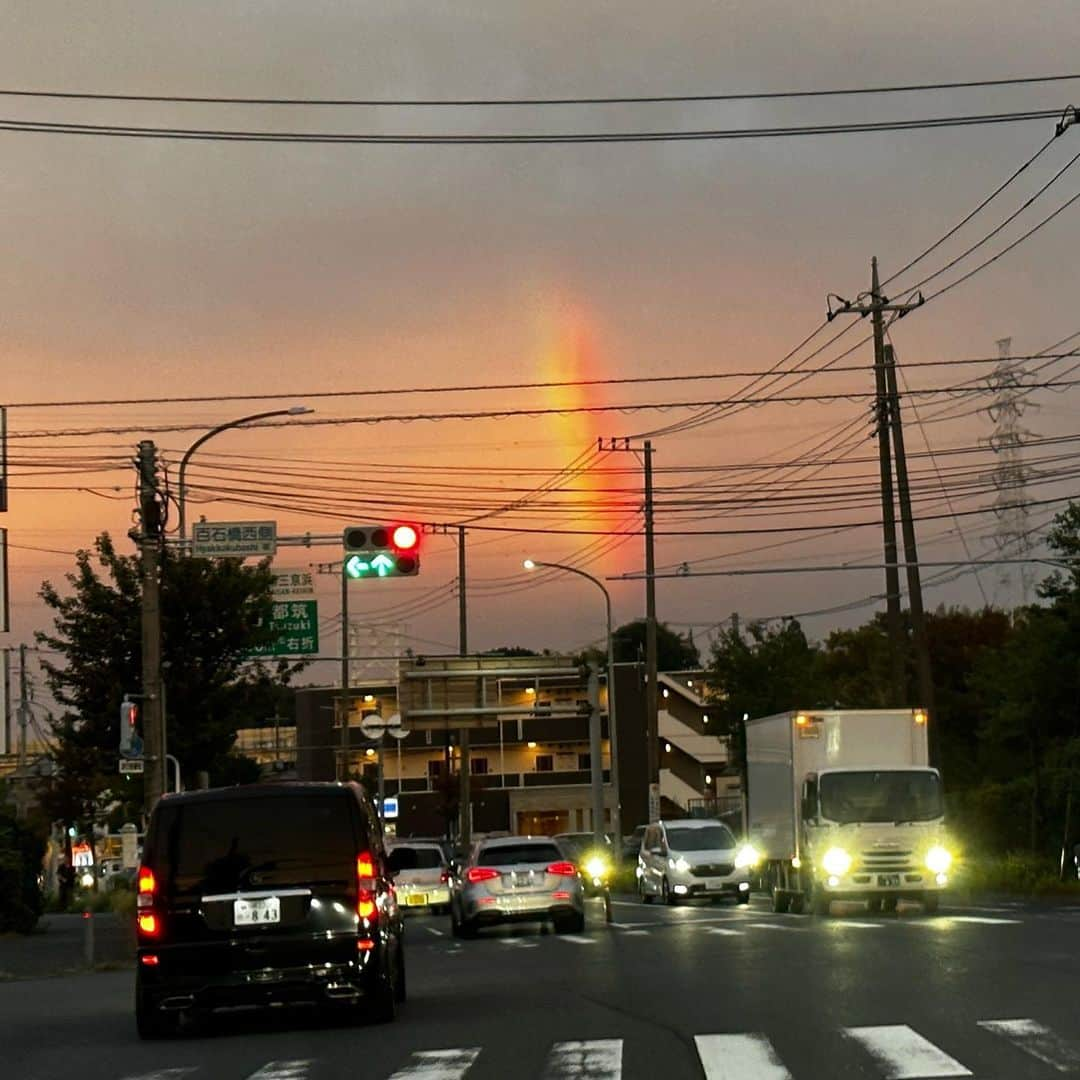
(747, 856)
(837, 862)
(938, 859)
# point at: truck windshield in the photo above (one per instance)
(909, 795)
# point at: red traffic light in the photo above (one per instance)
(405, 538)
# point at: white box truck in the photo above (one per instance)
(842, 805)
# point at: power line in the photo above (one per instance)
(519, 138)
(184, 99)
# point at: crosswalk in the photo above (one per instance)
(873, 1052)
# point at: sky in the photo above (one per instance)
(151, 272)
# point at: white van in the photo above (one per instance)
(693, 857)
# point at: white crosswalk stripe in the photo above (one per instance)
(439, 1064)
(904, 1054)
(166, 1074)
(598, 1059)
(576, 939)
(282, 1070)
(723, 931)
(1038, 1041)
(739, 1057)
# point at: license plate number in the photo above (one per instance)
(715, 883)
(888, 881)
(416, 900)
(257, 912)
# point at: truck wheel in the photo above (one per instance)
(780, 900)
(646, 898)
(797, 903)
(821, 901)
(930, 903)
(873, 905)
(888, 904)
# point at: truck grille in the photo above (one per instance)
(712, 870)
(891, 859)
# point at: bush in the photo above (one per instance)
(21, 852)
(1018, 872)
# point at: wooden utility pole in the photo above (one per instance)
(465, 789)
(150, 516)
(343, 771)
(874, 304)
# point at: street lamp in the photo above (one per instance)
(293, 410)
(597, 765)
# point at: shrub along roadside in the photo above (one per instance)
(1019, 873)
(21, 852)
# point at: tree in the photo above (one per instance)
(214, 612)
(21, 852)
(673, 651)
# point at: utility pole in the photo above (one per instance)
(344, 770)
(465, 793)
(911, 557)
(874, 304)
(652, 693)
(150, 517)
(24, 711)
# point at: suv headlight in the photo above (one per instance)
(748, 856)
(597, 867)
(836, 862)
(938, 859)
(680, 865)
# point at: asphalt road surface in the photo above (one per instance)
(718, 992)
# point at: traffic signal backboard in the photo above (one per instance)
(381, 550)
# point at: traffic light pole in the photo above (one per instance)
(465, 794)
(343, 771)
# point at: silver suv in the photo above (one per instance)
(695, 857)
(516, 879)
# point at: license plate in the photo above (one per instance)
(257, 912)
(416, 900)
(715, 883)
(888, 881)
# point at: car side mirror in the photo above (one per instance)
(657, 851)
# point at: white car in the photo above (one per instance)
(421, 874)
(693, 857)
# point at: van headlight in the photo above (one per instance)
(597, 867)
(748, 856)
(679, 865)
(837, 862)
(938, 859)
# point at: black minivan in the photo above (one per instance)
(270, 894)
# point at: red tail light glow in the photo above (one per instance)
(148, 924)
(365, 885)
(365, 865)
(444, 877)
(480, 873)
(147, 882)
(149, 960)
(364, 944)
(561, 895)
(563, 869)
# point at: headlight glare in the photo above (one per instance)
(681, 865)
(938, 859)
(747, 856)
(836, 862)
(596, 867)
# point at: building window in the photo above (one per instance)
(435, 768)
(371, 772)
(584, 762)
(545, 762)
(478, 766)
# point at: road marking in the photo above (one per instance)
(282, 1070)
(437, 933)
(722, 931)
(598, 1059)
(739, 1057)
(904, 1053)
(1038, 1041)
(637, 933)
(859, 925)
(775, 926)
(519, 943)
(577, 939)
(166, 1074)
(982, 920)
(439, 1064)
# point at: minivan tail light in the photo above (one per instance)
(148, 924)
(365, 885)
(564, 869)
(147, 883)
(444, 877)
(365, 865)
(480, 873)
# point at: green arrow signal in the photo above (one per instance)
(382, 564)
(356, 567)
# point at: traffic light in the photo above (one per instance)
(381, 551)
(131, 743)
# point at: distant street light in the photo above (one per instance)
(294, 410)
(598, 827)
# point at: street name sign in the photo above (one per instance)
(131, 766)
(233, 539)
(292, 584)
(295, 624)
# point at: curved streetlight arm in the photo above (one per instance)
(613, 742)
(295, 410)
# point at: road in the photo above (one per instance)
(720, 992)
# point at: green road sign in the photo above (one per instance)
(295, 624)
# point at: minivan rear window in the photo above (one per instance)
(414, 858)
(224, 846)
